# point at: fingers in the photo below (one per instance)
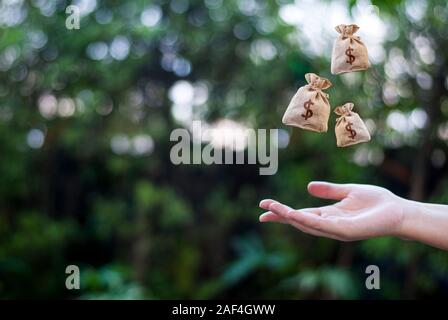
(310, 220)
(315, 232)
(279, 212)
(334, 227)
(264, 204)
(272, 217)
(326, 190)
(280, 209)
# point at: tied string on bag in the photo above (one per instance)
(317, 84)
(347, 32)
(342, 112)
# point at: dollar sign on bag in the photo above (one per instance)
(350, 57)
(307, 105)
(349, 129)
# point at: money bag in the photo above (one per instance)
(349, 52)
(350, 129)
(309, 109)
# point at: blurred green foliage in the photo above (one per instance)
(85, 174)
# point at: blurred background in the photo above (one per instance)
(85, 120)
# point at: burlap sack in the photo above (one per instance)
(309, 108)
(349, 52)
(350, 129)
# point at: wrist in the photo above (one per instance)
(423, 222)
(411, 212)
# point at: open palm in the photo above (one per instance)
(364, 211)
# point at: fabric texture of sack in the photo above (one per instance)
(349, 52)
(350, 129)
(309, 109)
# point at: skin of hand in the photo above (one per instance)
(363, 212)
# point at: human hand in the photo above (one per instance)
(364, 211)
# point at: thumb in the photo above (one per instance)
(327, 190)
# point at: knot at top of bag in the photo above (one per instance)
(347, 31)
(343, 111)
(316, 82)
